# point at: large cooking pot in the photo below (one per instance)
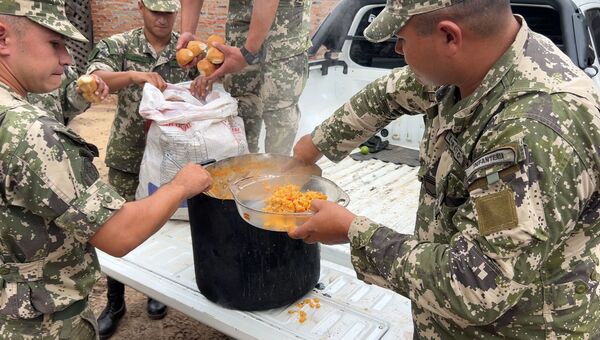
(237, 265)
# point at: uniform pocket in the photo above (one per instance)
(20, 295)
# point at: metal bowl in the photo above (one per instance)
(228, 170)
(251, 193)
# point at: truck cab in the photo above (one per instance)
(344, 61)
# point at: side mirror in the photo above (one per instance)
(591, 71)
(583, 44)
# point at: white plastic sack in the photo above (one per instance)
(186, 130)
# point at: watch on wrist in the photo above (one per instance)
(250, 58)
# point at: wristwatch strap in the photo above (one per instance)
(250, 58)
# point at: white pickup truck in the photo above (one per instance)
(386, 192)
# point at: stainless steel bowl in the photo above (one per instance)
(251, 193)
(228, 170)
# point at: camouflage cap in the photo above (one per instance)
(169, 6)
(48, 13)
(397, 12)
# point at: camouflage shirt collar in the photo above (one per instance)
(167, 54)
(461, 113)
(8, 95)
(9, 98)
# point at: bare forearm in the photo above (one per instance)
(190, 12)
(137, 221)
(263, 15)
(115, 80)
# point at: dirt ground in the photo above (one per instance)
(94, 125)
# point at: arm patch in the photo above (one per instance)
(503, 155)
(496, 212)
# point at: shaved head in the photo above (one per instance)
(17, 24)
(482, 17)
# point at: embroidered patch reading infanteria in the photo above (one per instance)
(498, 156)
(496, 212)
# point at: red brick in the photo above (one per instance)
(116, 16)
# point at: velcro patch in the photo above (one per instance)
(502, 155)
(496, 212)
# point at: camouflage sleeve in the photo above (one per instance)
(371, 109)
(515, 216)
(72, 102)
(53, 176)
(108, 55)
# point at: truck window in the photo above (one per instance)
(543, 20)
(365, 53)
(593, 18)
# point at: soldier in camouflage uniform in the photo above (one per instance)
(507, 234)
(127, 61)
(54, 210)
(266, 69)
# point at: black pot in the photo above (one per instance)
(242, 267)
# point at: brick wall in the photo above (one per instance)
(115, 16)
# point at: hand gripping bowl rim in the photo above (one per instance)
(343, 200)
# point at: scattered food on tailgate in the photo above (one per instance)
(312, 303)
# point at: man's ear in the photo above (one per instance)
(451, 37)
(4, 50)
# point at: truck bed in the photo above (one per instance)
(163, 268)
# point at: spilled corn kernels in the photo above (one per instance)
(312, 303)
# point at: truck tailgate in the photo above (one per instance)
(163, 268)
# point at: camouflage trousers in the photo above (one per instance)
(125, 183)
(45, 327)
(269, 92)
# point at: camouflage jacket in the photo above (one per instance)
(130, 51)
(507, 235)
(64, 102)
(289, 34)
(51, 203)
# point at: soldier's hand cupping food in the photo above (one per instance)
(220, 60)
(211, 60)
(188, 47)
(92, 88)
(329, 225)
(194, 50)
(202, 54)
(228, 57)
(213, 57)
